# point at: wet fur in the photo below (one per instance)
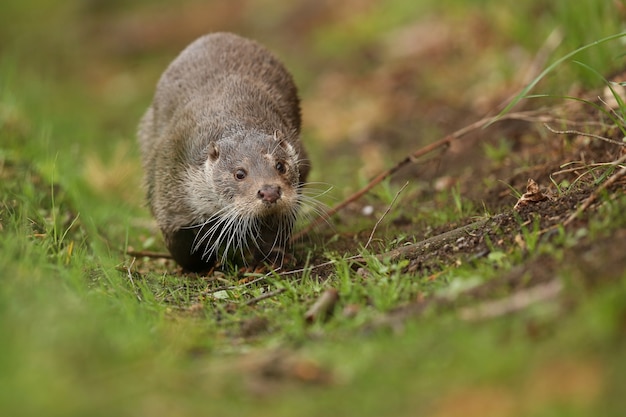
(224, 104)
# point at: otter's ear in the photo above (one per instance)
(281, 138)
(213, 151)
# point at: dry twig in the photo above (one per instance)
(434, 243)
(148, 254)
(384, 215)
(265, 296)
(238, 286)
(413, 157)
(588, 135)
(516, 302)
(323, 306)
(597, 191)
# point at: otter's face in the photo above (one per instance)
(255, 173)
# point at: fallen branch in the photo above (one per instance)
(597, 191)
(384, 215)
(132, 281)
(516, 302)
(323, 306)
(265, 296)
(434, 243)
(413, 157)
(588, 135)
(578, 168)
(235, 287)
(148, 254)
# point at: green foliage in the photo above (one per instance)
(85, 331)
(499, 152)
(554, 65)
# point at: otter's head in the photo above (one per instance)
(256, 173)
(252, 173)
(247, 191)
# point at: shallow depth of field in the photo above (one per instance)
(484, 276)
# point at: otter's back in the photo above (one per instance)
(208, 61)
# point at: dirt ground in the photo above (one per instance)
(404, 298)
(409, 98)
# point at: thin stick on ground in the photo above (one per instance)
(323, 306)
(588, 135)
(518, 301)
(384, 215)
(265, 296)
(148, 254)
(237, 286)
(411, 251)
(434, 243)
(581, 167)
(130, 278)
(597, 191)
(412, 158)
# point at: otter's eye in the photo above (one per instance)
(240, 174)
(280, 167)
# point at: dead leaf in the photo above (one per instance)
(533, 194)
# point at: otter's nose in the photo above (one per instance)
(269, 194)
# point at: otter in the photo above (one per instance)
(223, 162)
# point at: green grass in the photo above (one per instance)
(83, 333)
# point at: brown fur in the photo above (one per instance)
(224, 106)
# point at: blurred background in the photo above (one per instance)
(377, 78)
